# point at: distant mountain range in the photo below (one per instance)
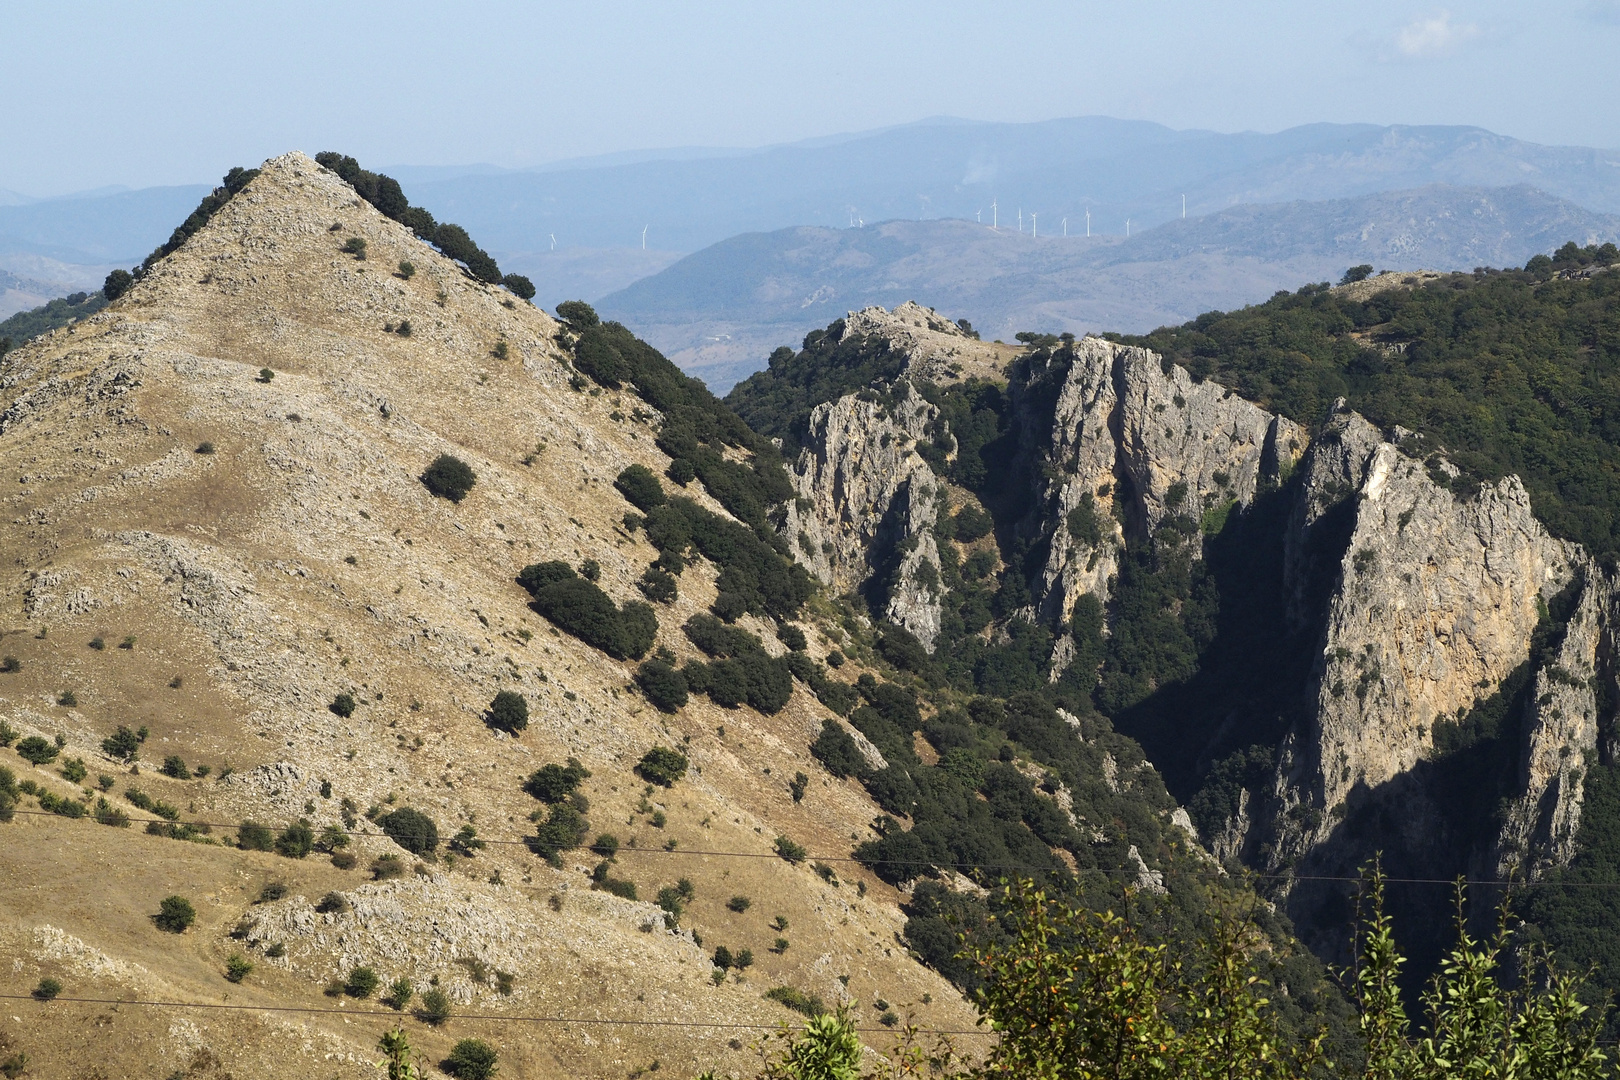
(576, 227)
(721, 311)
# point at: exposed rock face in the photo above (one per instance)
(1561, 731)
(867, 505)
(1433, 605)
(1194, 447)
(937, 349)
(1135, 441)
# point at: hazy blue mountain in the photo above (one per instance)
(720, 311)
(118, 228)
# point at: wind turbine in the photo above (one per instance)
(1184, 208)
(553, 241)
(1034, 231)
(1020, 221)
(644, 229)
(1088, 221)
(978, 215)
(995, 219)
(1065, 226)
(1127, 228)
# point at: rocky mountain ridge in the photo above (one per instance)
(220, 537)
(1418, 597)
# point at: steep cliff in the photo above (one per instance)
(867, 503)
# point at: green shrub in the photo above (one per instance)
(797, 1000)
(580, 608)
(970, 523)
(8, 734)
(466, 842)
(355, 246)
(519, 286)
(123, 744)
(250, 834)
(411, 829)
(47, 989)
(435, 1008)
(590, 570)
(722, 958)
(362, 983)
(10, 664)
(793, 853)
(564, 829)
(407, 270)
(596, 355)
(662, 766)
(837, 751)
(792, 637)
(663, 685)
(343, 705)
(107, 814)
(237, 968)
(74, 770)
(638, 484)
(577, 314)
(606, 845)
(37, 750)
(56, 804)
(296, 840)
(334, 903)
(387, 868)
(508, 712)
(658, 585)
(739, 904)
(117, 284)
(797, 785)
(344, 860)
(399, 994)
(555, 783)
(449, 478)
(471, 1059)
(174, 765)
(681, 471)
(175, 914)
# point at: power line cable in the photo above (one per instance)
(1255, 874)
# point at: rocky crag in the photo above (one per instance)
(1416, 600)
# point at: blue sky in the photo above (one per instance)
(170, 92)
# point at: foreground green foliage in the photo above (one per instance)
(24, 326)
(578, 607)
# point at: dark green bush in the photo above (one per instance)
(681, 471)
(107, 814)
(555, 783)
(343, 705)
(410, 829)
(595, 355)
(47, 989)
(739, 904)
(797, 1000)
(250, 835)
(971, 522)
(793, 853)
(174, 765)
(117, 284)
(387, 868)
(362, 983)
(508, 712)
(580, 608)
(175, 914)
(8, 794)
(577, 314)
(564, 829)
(837, 751)
(662, 766)
(658, 585)
(435, 1008)
(519, 286)
(334, 903)
(638, 484)
(123, 744)
(37, 750)
(296, 840)
(797, 786)
(792, 637)
(663, 685)
(449, 478)
(606, 845)
(74, 770)
(471, 1059)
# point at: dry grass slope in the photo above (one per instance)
(301, 559)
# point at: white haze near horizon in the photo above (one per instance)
(171, 92)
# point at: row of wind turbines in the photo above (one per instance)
(1034, 221)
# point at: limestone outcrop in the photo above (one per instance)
(867, 502)
(1433, 603)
